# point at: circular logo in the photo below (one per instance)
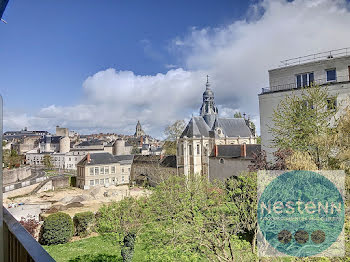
(301, 213)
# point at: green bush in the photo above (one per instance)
(96, 258)
(57, 229)
(72, 181)
(82, 223)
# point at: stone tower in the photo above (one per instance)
(208, 109)
(139, 132)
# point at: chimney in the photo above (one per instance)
(243, 150)
(216, 150)
(88, 158)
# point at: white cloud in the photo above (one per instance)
(236, 56)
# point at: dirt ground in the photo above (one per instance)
(74, 200)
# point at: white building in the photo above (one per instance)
(331, 69)
(62, 156)
(104, 169)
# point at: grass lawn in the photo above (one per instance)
(89, 246)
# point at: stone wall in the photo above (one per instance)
(16, 174)
(152, 170)
(223, 168)
(60, 182)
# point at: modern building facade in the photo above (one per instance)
(103, 169)
(330, 69)
(204, 132)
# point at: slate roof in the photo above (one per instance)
(106, 158)
(234, 151)
(52, 139)
(94, 142)
(145, 146)
(197, 127)
(233, 127)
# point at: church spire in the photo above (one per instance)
(208, 109)
(139, 132)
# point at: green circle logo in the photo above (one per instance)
(301, 213)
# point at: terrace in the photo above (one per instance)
(18, 245)
(343, 77)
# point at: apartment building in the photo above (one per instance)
(328, 69)
(103, 169)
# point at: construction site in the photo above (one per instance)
(70, 200)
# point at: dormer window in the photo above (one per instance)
(305, 79)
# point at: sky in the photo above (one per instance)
(99, 66)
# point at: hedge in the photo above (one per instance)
(57, 229)
(82, 223)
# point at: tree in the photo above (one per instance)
(31, 225)
(194, 215)
(11, 158)
(183, 220)
(135, 150)
(172, 132)
(339, 142)
(57, 228)
(48, 161)
(299, 121)
(237, 115)
(258, 140)
(122, 222)
(242, 193)
(260, 162)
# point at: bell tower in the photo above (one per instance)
(208, 109)
(139, 132)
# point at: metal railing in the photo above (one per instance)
(19, 245)
(320, 81)
(315, 57)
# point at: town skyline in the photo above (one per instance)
(101, 90)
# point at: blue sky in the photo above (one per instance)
(99, 66)
(56, 45)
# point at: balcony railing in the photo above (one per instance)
(19, 245)
(315, 57)
(320, 81)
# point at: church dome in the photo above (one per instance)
(208, 92)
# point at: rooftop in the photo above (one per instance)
(234, 151)
(106, 158)
(94, 142)
(316, 57)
